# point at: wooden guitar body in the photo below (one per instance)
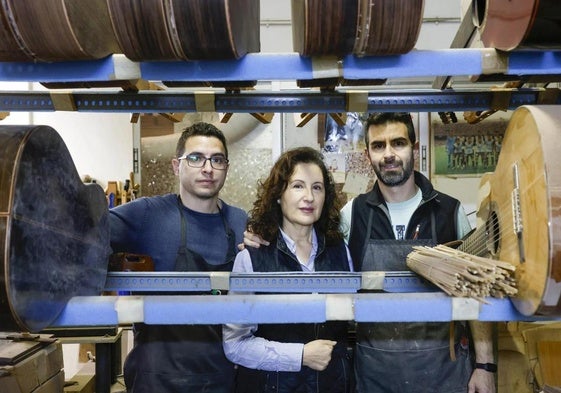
(511, 24)
(519, 217)
(185, 29)
(54, 230)
(388, 27)
(56, 30)
(226, 29)
(360, 27)
(324, 27)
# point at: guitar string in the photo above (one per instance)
(481, 236)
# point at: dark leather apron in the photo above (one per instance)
(183, 358)
(407, 357)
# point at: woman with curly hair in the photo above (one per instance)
(297, 212)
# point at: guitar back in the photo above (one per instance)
(54, 230)
(186, 30)
(360, 27)
(508, 25)
(55, 30)
(521, 208)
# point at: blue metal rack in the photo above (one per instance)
(277, 102)
(285, 282)
(284, 297)
(312, 303)
(285, 308)
(260, 67)
(291, 66)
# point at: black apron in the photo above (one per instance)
(182, 358)
(408, 357)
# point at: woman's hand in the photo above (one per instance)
(317, 354)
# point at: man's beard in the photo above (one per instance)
(397, 177)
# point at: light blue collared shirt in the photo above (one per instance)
(240, 344)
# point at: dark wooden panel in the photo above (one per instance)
(226, 29)
(54, 230)
(53, 30)
(322, 27)
(186, 30)
(362, 27)
(141, 29)
(389, 27)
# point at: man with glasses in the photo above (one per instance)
(192, 231)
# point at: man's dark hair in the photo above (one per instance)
(199, 129)
(380, 118)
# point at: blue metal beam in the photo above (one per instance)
(291, 66)
(286, 282)
(270, 102)
(282, 308)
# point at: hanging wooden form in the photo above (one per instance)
(141, 29)
(55, 30)
(322, 27)
(507, 24)
(360, 27)
(226, 29)
(54, 229)
(388, 27)
(185, 30)
(10, 48)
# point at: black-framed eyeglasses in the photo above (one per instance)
(198, 161)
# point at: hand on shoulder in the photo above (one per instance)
(253, 240)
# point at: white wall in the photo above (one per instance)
(100, 143)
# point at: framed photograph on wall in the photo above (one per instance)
(463, 149)
(341, 132)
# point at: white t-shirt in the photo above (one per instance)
(402, 216)
(401, 212)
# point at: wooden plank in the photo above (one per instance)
(549, 355)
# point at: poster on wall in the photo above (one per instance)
(463, 149)
(342, 132)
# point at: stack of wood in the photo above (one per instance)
(463, 275)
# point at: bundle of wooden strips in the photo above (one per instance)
(461, 274)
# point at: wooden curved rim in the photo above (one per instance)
(534, 137)
(53, 30)
(186, 30)
(232, 33)
(361, 27)
(141, 29)
(388, 27)
(324, 27)
(507, 25)
(54, 230)
(10, 48)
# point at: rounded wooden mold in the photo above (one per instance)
(54, 229)
(57, 30)
(507, 24)
(186, 30)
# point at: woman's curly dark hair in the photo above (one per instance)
(266, 216)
